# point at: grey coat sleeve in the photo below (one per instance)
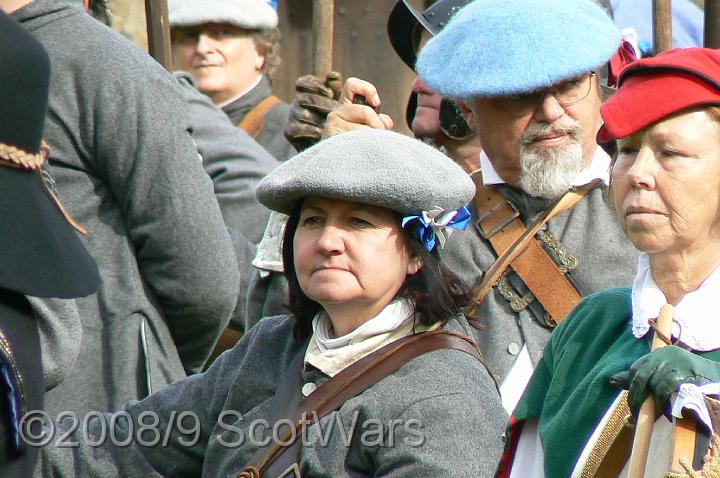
(145, 155)
(166, 434)
(232, 159)
(60, 332)
(244, 252)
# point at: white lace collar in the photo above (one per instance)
(694, 321)
(390, 318)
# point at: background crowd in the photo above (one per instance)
(209, 202)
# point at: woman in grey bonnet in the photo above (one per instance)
(372, 374)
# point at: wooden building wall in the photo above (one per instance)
(361, 48)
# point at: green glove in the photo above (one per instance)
(661, 373)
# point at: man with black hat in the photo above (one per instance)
(126, 166)
(39, 250)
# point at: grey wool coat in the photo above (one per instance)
(272, 135)
(448, 392)
(126, 168)
(589, 232)
(234, 161)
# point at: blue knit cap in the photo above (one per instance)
(500, 47)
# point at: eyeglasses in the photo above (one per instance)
(566, 93)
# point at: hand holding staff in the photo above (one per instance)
(646, 417)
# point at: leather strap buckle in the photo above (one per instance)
(507, 220)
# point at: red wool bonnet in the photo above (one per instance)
(654, 88)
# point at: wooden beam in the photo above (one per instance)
(662, 25)
(712, 24)
(158, 29)
(323, 21)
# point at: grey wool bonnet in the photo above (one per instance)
(248, 14)
(369, 166)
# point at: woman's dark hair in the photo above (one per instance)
(436, 292)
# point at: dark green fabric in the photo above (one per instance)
(661, 372)
(570, 390)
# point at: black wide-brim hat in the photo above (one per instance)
(40, 253)
(404, 20)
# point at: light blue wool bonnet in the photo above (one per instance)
(500, 47)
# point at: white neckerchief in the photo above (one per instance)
(599, 168)
(241, 94)
(390, 318)
(332, 360)
(694, 321)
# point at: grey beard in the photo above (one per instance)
(549, 172)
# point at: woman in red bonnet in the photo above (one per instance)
(665, 188)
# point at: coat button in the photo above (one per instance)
(513, 348)
(308, 388)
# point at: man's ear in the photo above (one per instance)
(260, 57)
(468, 114)
(86, 4)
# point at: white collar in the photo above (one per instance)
(599, 168)
(241, 94)
(694, 323)
(390, 318)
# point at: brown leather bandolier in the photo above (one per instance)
(347, 384)
(253, 122)
(499, 223)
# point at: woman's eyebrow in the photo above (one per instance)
(312, 208)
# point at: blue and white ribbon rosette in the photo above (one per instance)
(436, 225)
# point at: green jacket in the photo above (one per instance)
(444, 404)
(570, 390)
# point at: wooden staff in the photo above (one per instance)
(158, 29)
(712, 24)
(646, 417)
(323, 16)
(662, 25)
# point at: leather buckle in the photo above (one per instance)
(478, 224)
(549, 321)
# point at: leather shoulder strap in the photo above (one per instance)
(253, 122)
(516, 246)
(352, 381)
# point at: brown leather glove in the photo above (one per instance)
(315, 98)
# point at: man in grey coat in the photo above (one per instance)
(127, 169)
(232, 49)
(533, 100)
